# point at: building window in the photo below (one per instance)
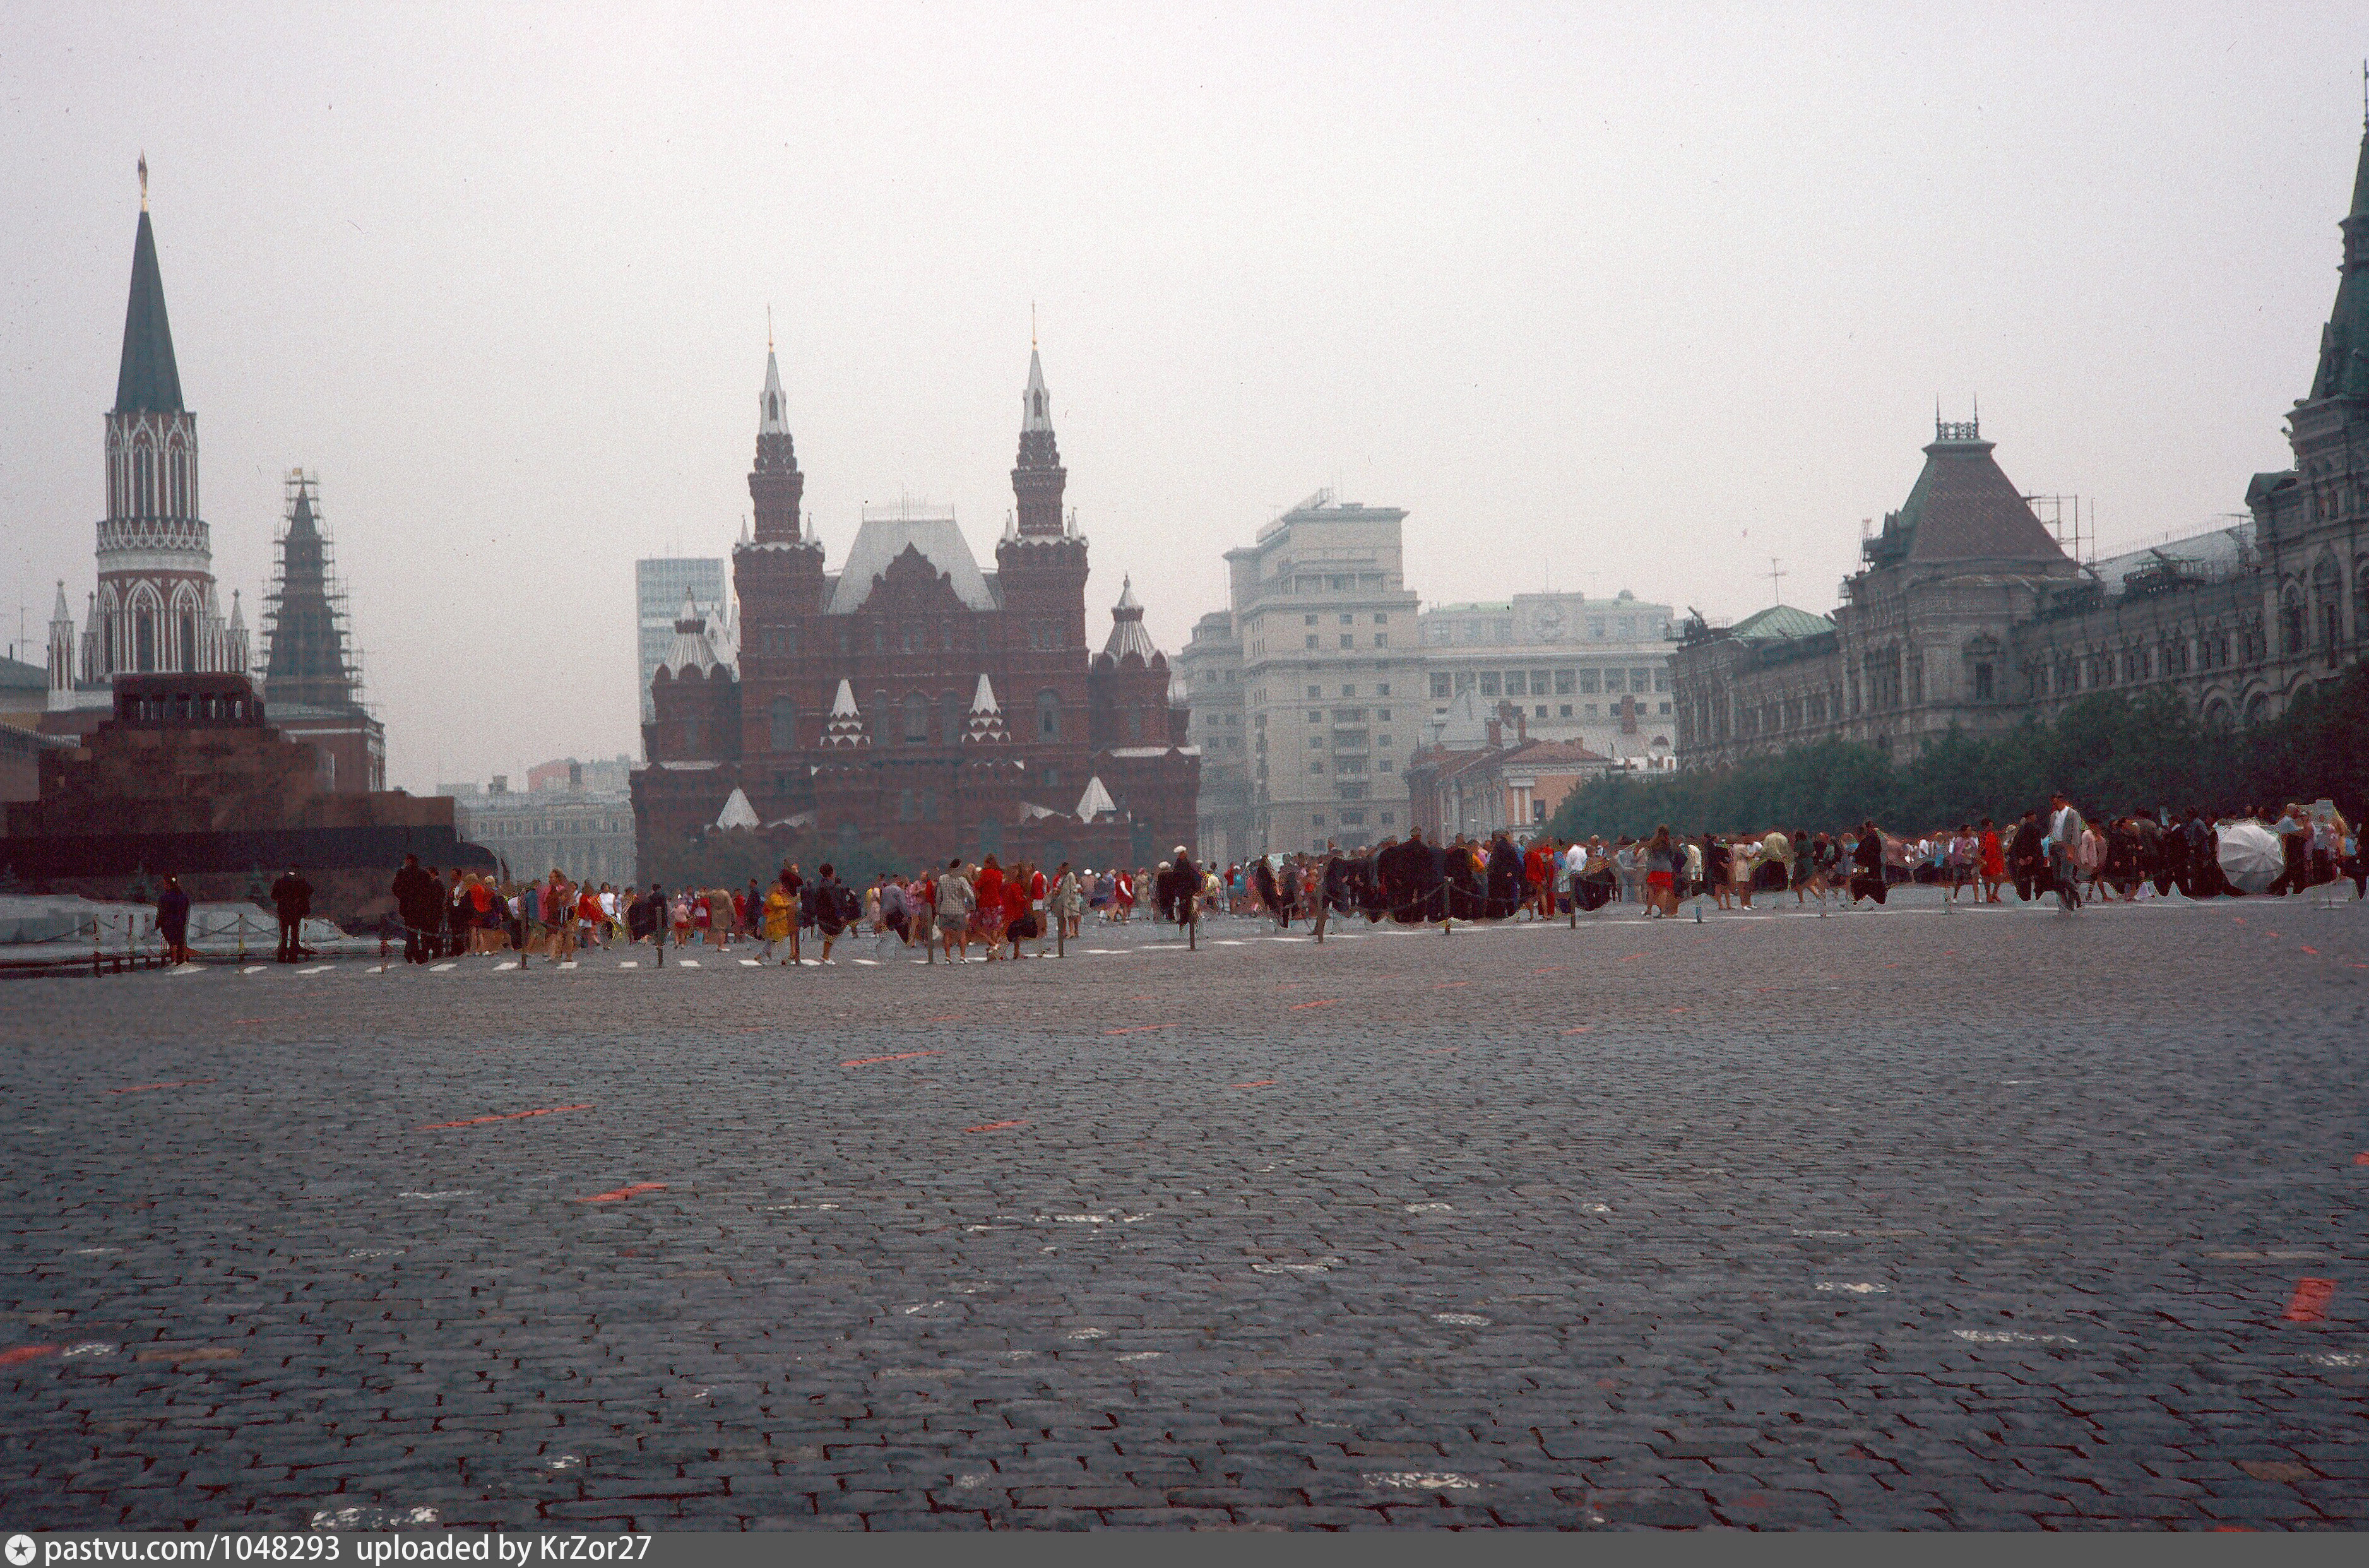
(1983, 693)
(1048, 715)
(1491, 683)
(2291, 618)
(1348, 639)
(917, 720)
(1566, 711)
(1315, 693)
(1312, 640)
(1588, 683)
(1439, 686)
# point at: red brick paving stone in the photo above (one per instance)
(2309, 1303)
(504, 1116)
(619, 1194)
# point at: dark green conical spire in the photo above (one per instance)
(2344, 343)
(149, 381)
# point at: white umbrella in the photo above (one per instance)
(2249, 856)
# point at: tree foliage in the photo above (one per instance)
(2109, 752)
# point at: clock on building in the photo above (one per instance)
(1546, 623)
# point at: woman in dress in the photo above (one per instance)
(987, 921)
(1993, 854)
(1661, 877)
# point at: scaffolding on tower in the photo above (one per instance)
(310, 658)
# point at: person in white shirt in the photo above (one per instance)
(2064, 830)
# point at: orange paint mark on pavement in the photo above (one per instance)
(2313, 951)
(900, 1055)
(177, 1083)
(504, 1116)
(1582, 1029)
(15, 1354)
(948, 1018)
(1138, 1028)
(2309, 1303)
(1632, 957)
(622, 1194)
(1677, 1010)
(993, 1127)
(1452, 985)
(1254, 1083)
(1328, 1002)
(2362, 1159)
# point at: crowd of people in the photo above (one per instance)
(1008, 912)
(2049, 853)
(1000, 910)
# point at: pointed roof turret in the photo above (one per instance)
(690, 648)
(773, 406)
(845, 725)
(60, 612)
(1035, 403)
(238, 616)
(1096, 801)
(737, 812)
(305, 661)
(776, 488)
(1037, 478)
(985, 725)
(149, 381)
(1127, 635)
(2344, 343)
(1963, 508)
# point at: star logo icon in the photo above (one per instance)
(21, 1551)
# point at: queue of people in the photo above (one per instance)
(2052, 852)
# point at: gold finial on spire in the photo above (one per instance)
(143, 180)
(769, 329)
(1032, 323)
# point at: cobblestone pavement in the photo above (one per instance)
(1901, 1219)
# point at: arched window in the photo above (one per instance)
(2290, 622)
(950, 719)
(1048, 715)
(143, 479)
(188, 639)
(917, 720)
(782, 716)
(876, 714)
(143, 624)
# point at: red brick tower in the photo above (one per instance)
(1041, 565)
(778, 575)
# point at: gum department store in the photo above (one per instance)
(1969, 614)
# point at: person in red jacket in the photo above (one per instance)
(987, 921)
(1018, 920)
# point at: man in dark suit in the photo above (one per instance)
(293, 897)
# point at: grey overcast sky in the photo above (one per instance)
(1607, 297)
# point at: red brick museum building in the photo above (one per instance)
(911, 698)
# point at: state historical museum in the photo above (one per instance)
(909, 697)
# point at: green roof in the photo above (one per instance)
(149, 381)
(1779, 623)
(2344, 343)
